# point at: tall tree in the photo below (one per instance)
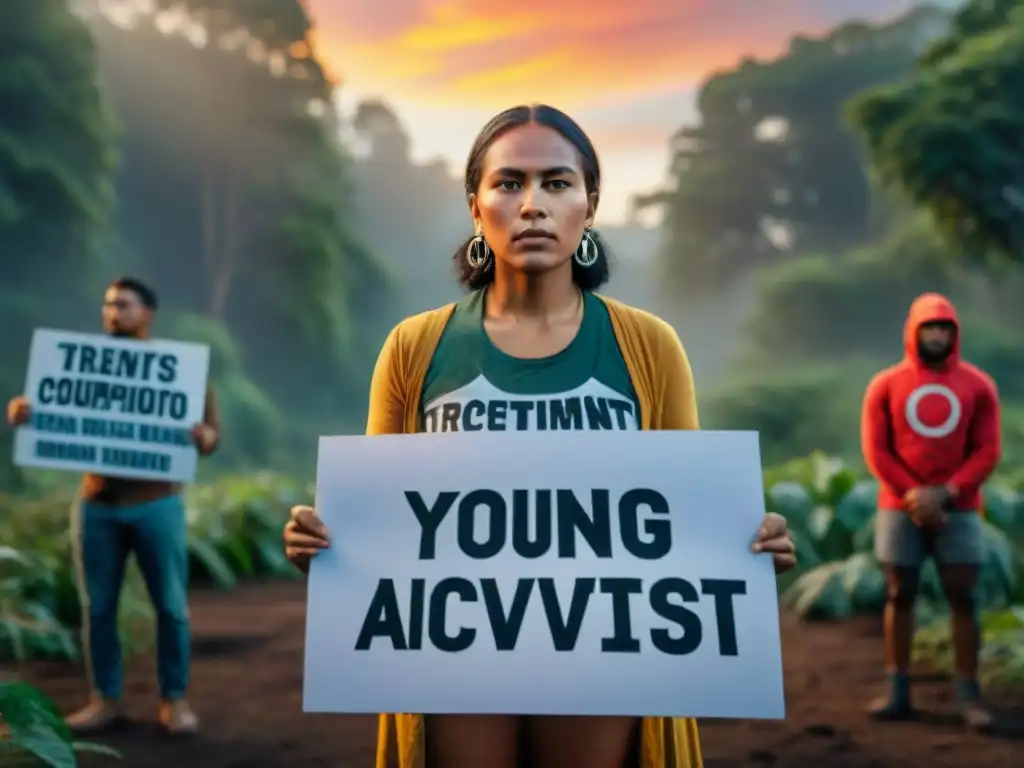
(770, 168)
(414, 214)
(949, 137)
(56, 168)
(236, 190)
(56, 147)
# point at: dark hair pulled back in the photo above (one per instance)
(587, 278)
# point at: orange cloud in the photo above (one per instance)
(492, 53)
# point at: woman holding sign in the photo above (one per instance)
(532, 347)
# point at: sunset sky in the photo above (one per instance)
(626, 69)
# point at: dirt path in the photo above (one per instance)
(248, 674)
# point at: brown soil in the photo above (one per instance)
(247, 678)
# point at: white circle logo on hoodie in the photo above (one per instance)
(944, 429)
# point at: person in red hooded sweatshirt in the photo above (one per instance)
(930, 432)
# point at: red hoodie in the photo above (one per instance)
(931, 426)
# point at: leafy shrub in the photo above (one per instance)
(832, 515)
(809, 406)
(234, 532)
(33, 733)
(1002, 649)
(258, 428)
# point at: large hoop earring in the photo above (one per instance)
(586, 255)
(478, 253)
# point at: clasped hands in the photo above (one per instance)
(927, 506)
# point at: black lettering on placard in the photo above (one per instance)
(430, 519)
(383, 618)
(132, 364)
(100, 395)
(595, 528)
(481, 531)
(724, 590)
(483, 522)
(662, 593)
(622, 640)
(506, 614)
(44, 421)
(659, 532)
(50, 449)
(523, 545)
(416, 602)
(497, 524)
(506, 625)
(436, 615)
(565, 630)
(125, 458)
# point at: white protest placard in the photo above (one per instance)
(116, 407)
(584, 573)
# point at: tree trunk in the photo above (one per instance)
(221, 198)
(229, 246)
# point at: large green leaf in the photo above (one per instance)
(864, 581)
(789, 499)
(833, 540)
(820, 594)
(864, 537)
(832, 480)
(858, 505)
(213, 563)
(1004, 508)
(998, 576)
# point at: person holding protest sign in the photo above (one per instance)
(931, 435)
(532, 348)
(115, 516)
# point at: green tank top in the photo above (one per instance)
(472, 386)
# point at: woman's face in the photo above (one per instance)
(532, 204)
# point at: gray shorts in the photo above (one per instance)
(900, 543)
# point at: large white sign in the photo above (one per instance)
(586, 573)
(116, 407)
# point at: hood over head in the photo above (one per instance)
(930, 308)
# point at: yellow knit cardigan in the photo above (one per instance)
(663, 382)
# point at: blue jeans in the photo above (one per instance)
(103, 537)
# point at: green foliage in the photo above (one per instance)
(771, 155)
(834, 307)
(235, 529)
(821, 326)
(241, 155)
(255, 432)
(794, 410)
(415, 232)
(56, 145)
(33, 733)
(949, 137)
(232, 194)
(831, 514)
(1002, 645)
(56, 171)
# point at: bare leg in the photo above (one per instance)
(901, 545)
(472, 741)
(958, 582)
(902, 586)
(580, 742)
